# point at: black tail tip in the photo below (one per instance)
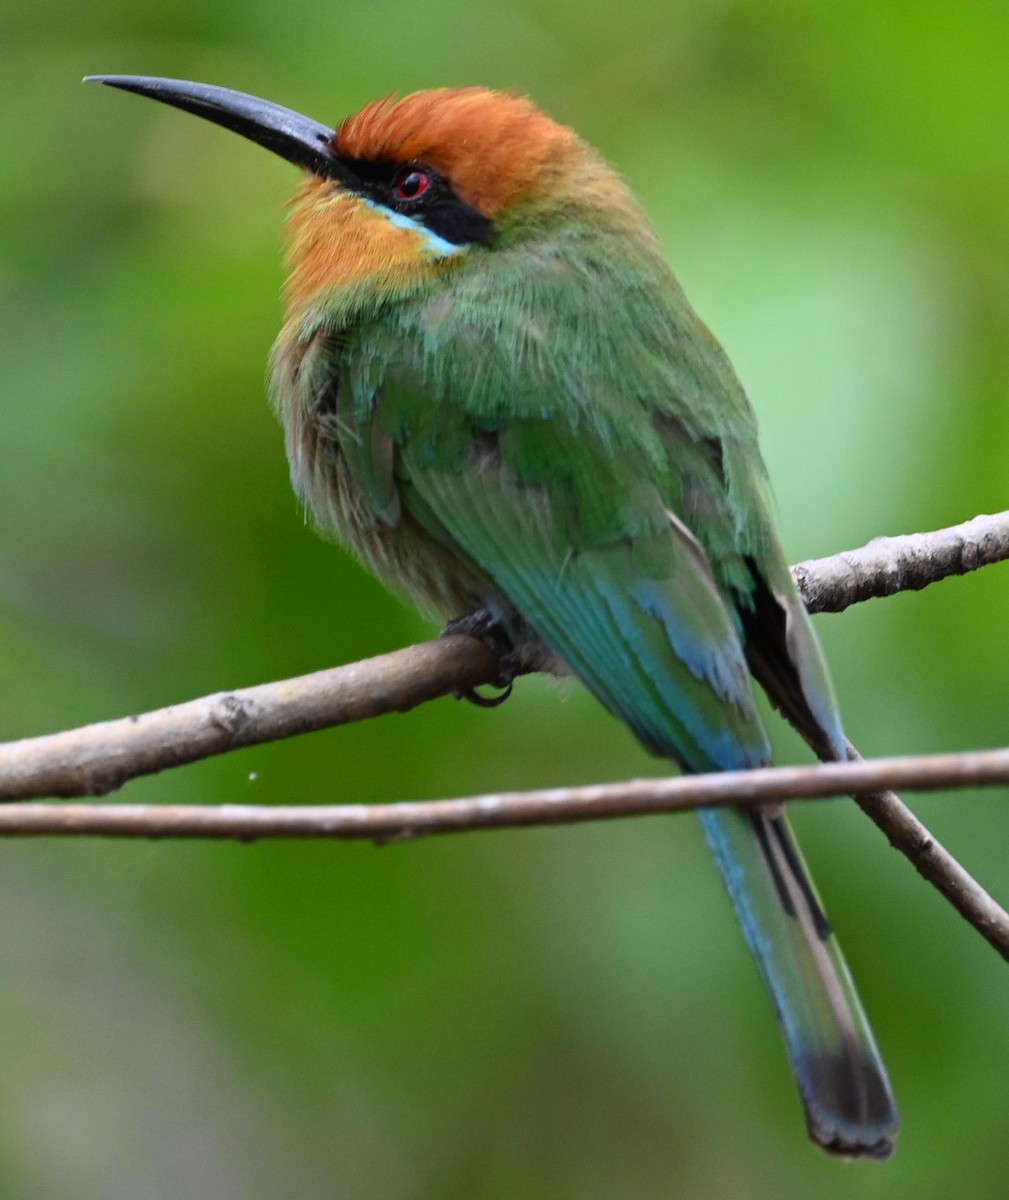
(854, 1146)
(850, 1110)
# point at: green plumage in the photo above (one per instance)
(550, 431)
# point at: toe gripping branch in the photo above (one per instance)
(487, 629)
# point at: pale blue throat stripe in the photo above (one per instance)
(438, 247)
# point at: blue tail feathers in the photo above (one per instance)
(842, 1081)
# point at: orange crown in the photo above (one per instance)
(493, 146)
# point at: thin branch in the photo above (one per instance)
(934, 863)
(97, 759)
(901, 564)
(411, 819)
(643, 797)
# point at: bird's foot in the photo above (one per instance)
(487, 629)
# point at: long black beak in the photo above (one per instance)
(287, 133)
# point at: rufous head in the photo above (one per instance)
(433, 175)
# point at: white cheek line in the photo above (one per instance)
(439, 247)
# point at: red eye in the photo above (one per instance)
(413, 185)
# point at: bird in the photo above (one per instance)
(496, 394)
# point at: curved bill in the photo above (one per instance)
(285, 132)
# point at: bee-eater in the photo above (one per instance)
(496, 394)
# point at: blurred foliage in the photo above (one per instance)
(567, 1013)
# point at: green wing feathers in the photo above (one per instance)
(656, 648)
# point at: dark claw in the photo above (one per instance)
(485, 628)
(474, 697)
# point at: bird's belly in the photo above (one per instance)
(400, 553)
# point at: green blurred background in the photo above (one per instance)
(530, 1015)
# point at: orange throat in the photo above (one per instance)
(338, 240)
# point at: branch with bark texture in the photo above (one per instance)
(98, 758)
(901, 564)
